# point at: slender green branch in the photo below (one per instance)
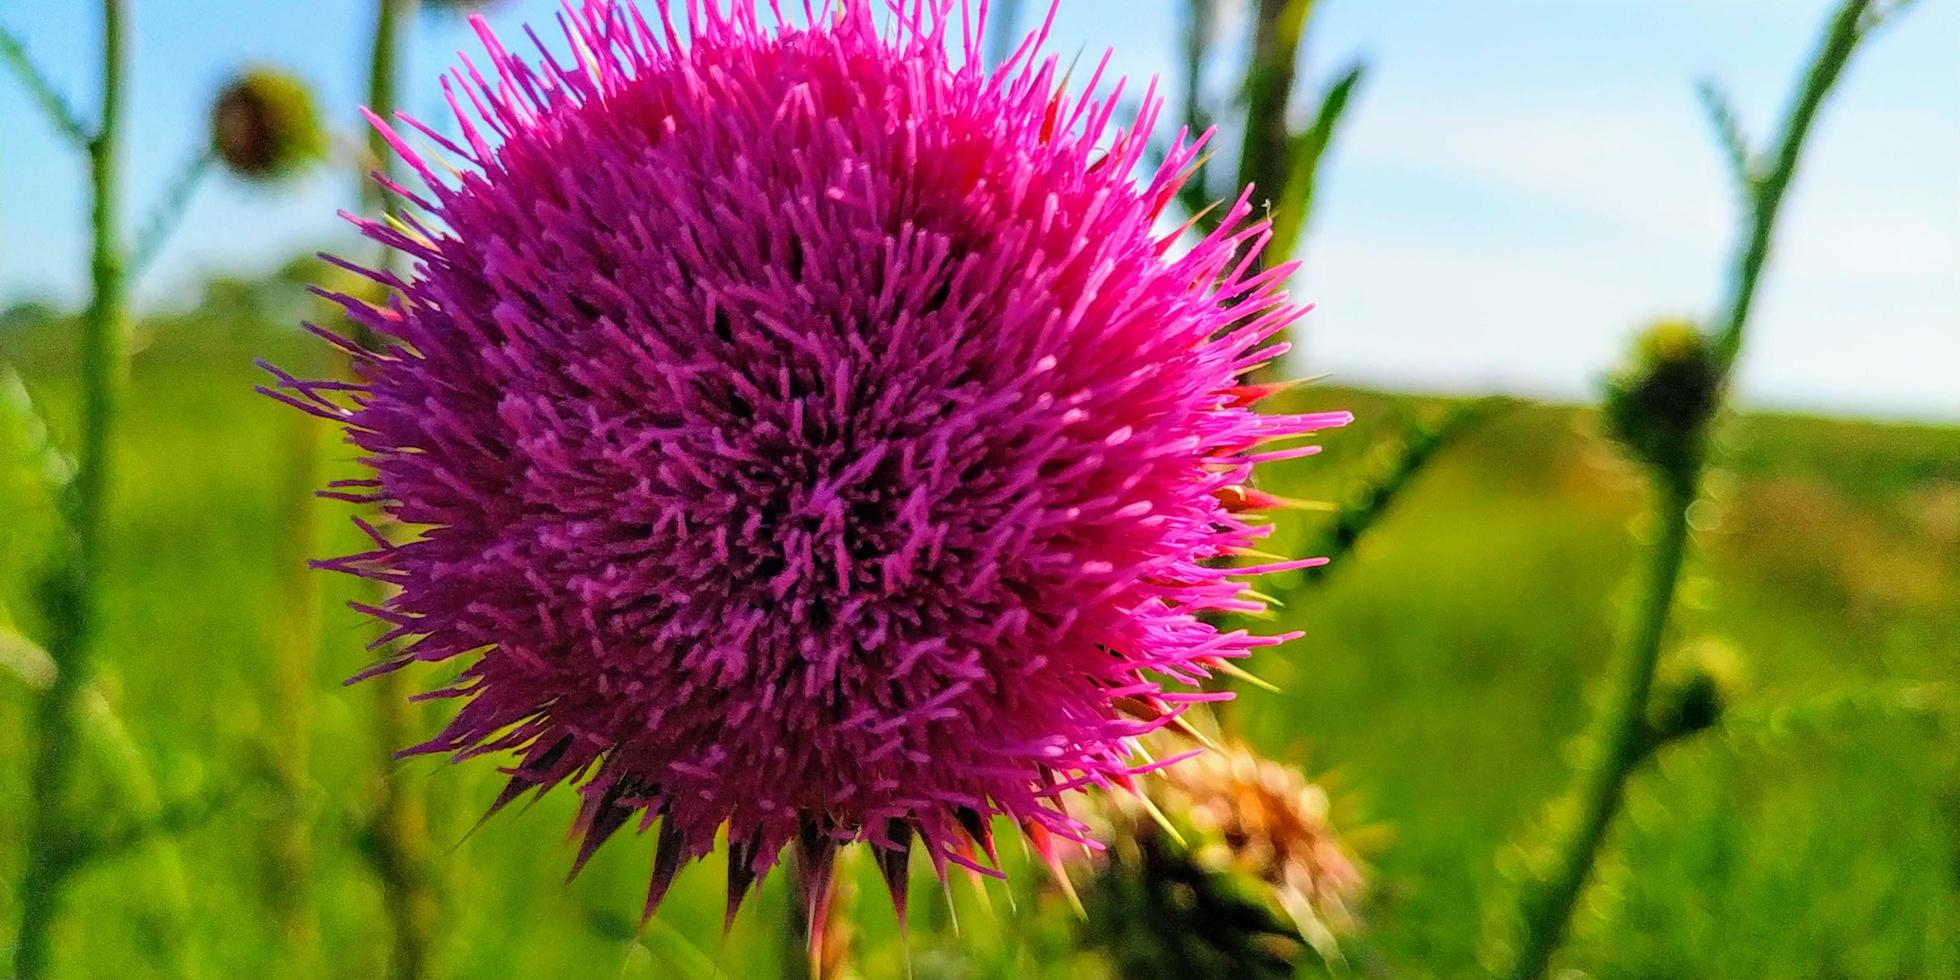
(1196, 195)
(168, 819)
(22, 657)
(1728, 134)
(75, 597)
(45, 95)
(168, 212)
(1375, 495)
(30, 445)
(288, 837)
(1766, 191)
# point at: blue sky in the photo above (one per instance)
(1521, 181)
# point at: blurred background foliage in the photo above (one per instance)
(1451, 656)
(1445, 667)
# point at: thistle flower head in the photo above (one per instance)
(264, 126)
(804, 431)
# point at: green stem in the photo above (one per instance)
(1623, 740)
(391, 17)
(169, 212)
(400, 820)
(1196, 193)
(14, 55)
(1766, 191)
(400, 829)
(289, 835)
(1375, 497)
(1266, 155)
(75, 598)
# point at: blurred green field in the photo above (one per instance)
(1445, 670)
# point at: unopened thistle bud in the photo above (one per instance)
(264, 126)
(1659, 406)
(1695, 690)
(1227, 860)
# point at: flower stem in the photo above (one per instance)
(1623, 737)
(400, 820)
(289, 834)
(74, 598)
(1622, 741)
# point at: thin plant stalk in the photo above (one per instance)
(1278, 28)
(1623, 738)
(1622, 743)
(289, 835)
(75, 599)
(1277, 161)
(1373, 497)
(169, 212)
(399, 831)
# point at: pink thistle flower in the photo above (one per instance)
(808, 432)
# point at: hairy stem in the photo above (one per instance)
(75, 596)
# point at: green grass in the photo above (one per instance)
(1446, 666)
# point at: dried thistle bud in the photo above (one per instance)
(1238, 866)
(1660, 405)
(264, 126)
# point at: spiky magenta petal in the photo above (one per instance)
(808, 432)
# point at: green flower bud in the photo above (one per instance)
(1695, 689)
(1659, 406)
(264, 126)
